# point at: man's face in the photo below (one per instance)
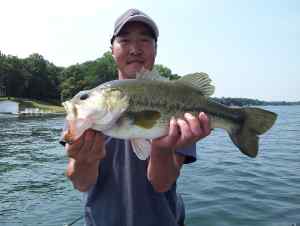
(133, 49)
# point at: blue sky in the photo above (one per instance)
(249, 48)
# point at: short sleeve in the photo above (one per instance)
(189, 153)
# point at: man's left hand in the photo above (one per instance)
(184, 132)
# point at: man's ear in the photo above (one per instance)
(155, 49)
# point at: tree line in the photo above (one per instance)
(36, 78)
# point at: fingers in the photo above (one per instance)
(98, 148)
(194, 124)
(193, 128)
(169, 141)
(174, 131)
(185, 129)
(89, 147)
(205, 123)
(88, 139)
(73, 149)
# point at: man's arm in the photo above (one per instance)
(164, 164)
(85, 155)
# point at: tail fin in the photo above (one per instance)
(256, 121)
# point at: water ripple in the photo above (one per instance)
(223, 187)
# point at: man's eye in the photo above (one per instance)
(147, 40)
(124, 40)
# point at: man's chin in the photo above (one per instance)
(132, 72)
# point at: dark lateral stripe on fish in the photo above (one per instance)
(233, 116)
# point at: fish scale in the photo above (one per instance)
(168, 98)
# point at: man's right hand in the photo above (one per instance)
(88, 148)
(85, 154)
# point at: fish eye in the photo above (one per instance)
(84, 96)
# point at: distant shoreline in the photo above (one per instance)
(252, 102)
(25, 103)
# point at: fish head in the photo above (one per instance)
(98, 109)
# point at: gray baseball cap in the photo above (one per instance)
(134, 15)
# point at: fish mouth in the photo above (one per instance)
(70, 109)
(76, 126)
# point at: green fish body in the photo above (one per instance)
(140, 109)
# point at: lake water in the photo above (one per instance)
(223, 187)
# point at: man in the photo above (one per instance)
(121, 189)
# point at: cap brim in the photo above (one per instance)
(138, 18)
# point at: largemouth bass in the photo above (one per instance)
(140, 109)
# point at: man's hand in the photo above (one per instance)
(85, 155)
(184, 132)
(88, 148)
(164, 164)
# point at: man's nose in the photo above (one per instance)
(135, 48)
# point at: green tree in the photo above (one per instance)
(165, 72)
(11, 75)
(74, 81)
(104, 69)
(41, 82)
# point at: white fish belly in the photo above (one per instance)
(136, 132)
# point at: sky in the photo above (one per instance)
(249, 48)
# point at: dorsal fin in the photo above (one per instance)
(150, 75)
(199, 81)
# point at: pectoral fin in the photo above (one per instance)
(141, 148)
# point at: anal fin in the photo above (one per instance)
(141, 147)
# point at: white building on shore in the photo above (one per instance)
(2, 90)
(8, 106)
